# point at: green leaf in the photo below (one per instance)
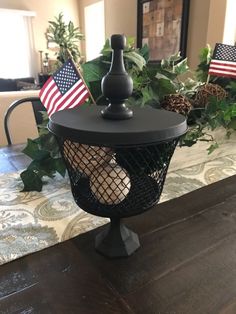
(205, 54)
(148, 96)
(31, 149)
(53, 23)
(95, 89)
(160, 76)
(49, 144)
(59, 166)
(212, 147)
(94, 70)
(42, 168)
(181, 67)
(165, 87)
(232, 124)
(175, 57)
(106, 50)
(188, 142)
(135, 58)
(144, 51)
(130, 43)
(31, 181)
(165, 63)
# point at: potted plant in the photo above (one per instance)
(67, 37)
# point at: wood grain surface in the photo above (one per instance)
(186, 264)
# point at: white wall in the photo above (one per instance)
(230, 23)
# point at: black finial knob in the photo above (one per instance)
(118, 41)
(117, 85)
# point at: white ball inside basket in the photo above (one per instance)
(110, 185)
(86, 158)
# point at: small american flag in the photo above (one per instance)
(223, 62)
(64, 89)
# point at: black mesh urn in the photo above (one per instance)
(117, 166)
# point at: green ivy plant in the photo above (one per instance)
(151, 83)
(218, 113)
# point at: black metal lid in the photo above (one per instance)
(85, 124)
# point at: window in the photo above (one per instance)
(94, 29)
(16, 44)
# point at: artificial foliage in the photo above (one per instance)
(158, 85)
(67, 37)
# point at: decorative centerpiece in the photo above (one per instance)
(117, 159)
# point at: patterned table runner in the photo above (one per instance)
(32, 221)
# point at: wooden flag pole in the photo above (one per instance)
(208, 79)
(81, 76)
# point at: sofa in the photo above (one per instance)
(25, 83)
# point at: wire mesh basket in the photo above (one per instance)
(118, 181)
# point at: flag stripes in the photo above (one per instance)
(223, 62)
(64, 90)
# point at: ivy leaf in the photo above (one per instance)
(136, 58)
(31, 181)
(162, 76)
(59, 166)
(175, 57)
(205, 54)
(33, 151)
(165, 63)
(144, 51)
(148, 96)
(42, 168)
(48, 143)
(130, 43)
(165, 87)
(212, 147)
(181, 67)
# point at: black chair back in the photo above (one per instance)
(37, 107)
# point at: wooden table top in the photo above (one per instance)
(186, 264)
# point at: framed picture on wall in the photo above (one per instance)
(163, 26)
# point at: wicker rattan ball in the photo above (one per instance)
(85, 157)
(177, 103)
(110, 185)
(206, 91)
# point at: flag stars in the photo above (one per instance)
(66, 78)
(225, 52)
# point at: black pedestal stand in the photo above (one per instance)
(117, 240)
(117, 168)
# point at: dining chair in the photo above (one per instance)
(37, 107)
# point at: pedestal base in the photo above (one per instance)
(117, 112)
(117, 240)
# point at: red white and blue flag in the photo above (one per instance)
(223, 61)
(65, 89)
